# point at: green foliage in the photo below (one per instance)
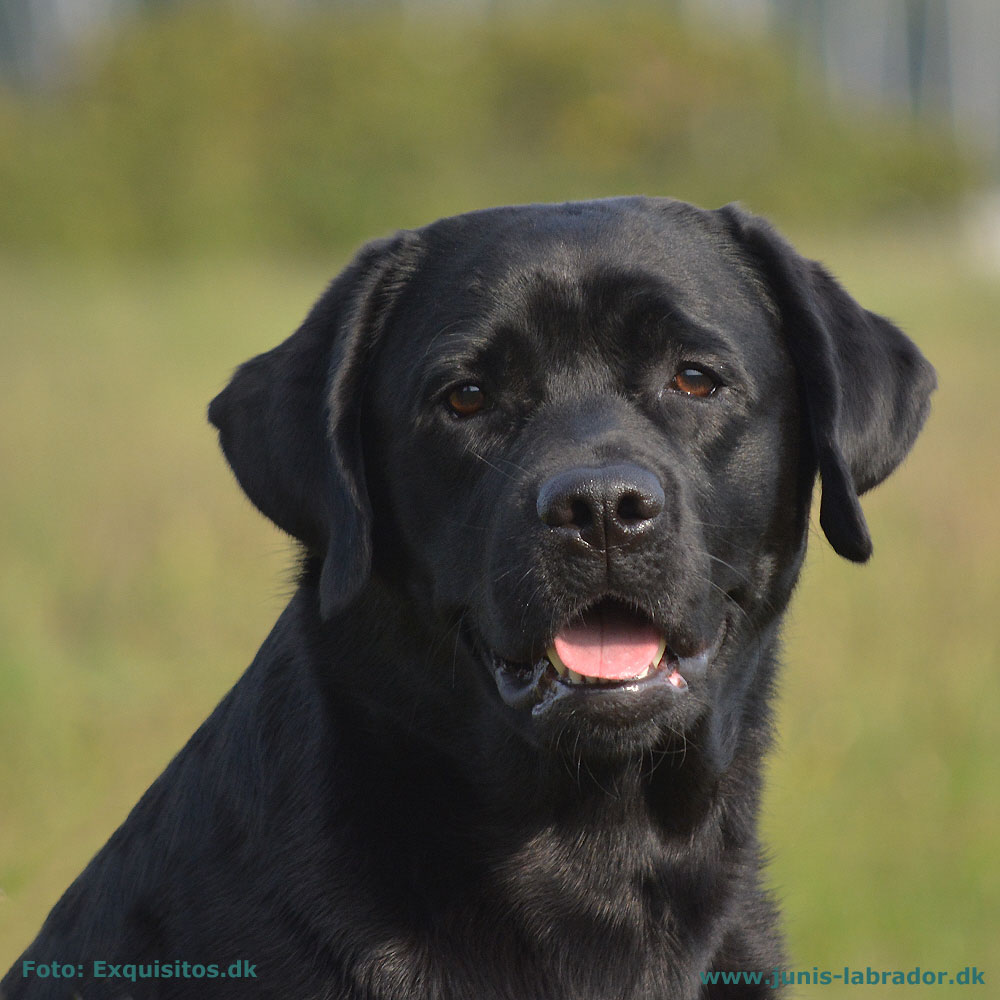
(202, 127)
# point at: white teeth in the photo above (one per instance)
(660, 650)
(572, 677)
(561, 669)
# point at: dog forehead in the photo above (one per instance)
(499, 248)
(513, 266)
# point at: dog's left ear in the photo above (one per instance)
(289, 420)
(865, 386)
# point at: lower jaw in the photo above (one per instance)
(612, 721)
(611, 718)
(541, 685)
(548, 680)
(572, 678)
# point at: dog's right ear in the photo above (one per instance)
(289, 420)
(865, 386)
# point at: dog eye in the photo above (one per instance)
(694, 382)
(466, 400)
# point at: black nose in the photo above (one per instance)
(605, 506)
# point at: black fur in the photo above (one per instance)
(399, 799)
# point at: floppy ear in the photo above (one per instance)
(865, 385)
(289, 421)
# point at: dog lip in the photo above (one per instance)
(534, 685)
(530, 681)
(695, 666)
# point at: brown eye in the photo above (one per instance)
(466, 400)
(694, 382)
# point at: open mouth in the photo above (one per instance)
(608, 651)
(611, 645)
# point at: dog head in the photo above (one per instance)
(581, 440)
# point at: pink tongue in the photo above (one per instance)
(613, 647)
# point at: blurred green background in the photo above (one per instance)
(176, 192)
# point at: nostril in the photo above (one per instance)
(564, 502)
(635, 506)
(630, 509)
(581, 515)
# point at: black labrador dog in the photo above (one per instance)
(551, 469)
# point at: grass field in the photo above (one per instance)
(136, 584)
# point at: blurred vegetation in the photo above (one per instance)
(179, 200)
(205, 127)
